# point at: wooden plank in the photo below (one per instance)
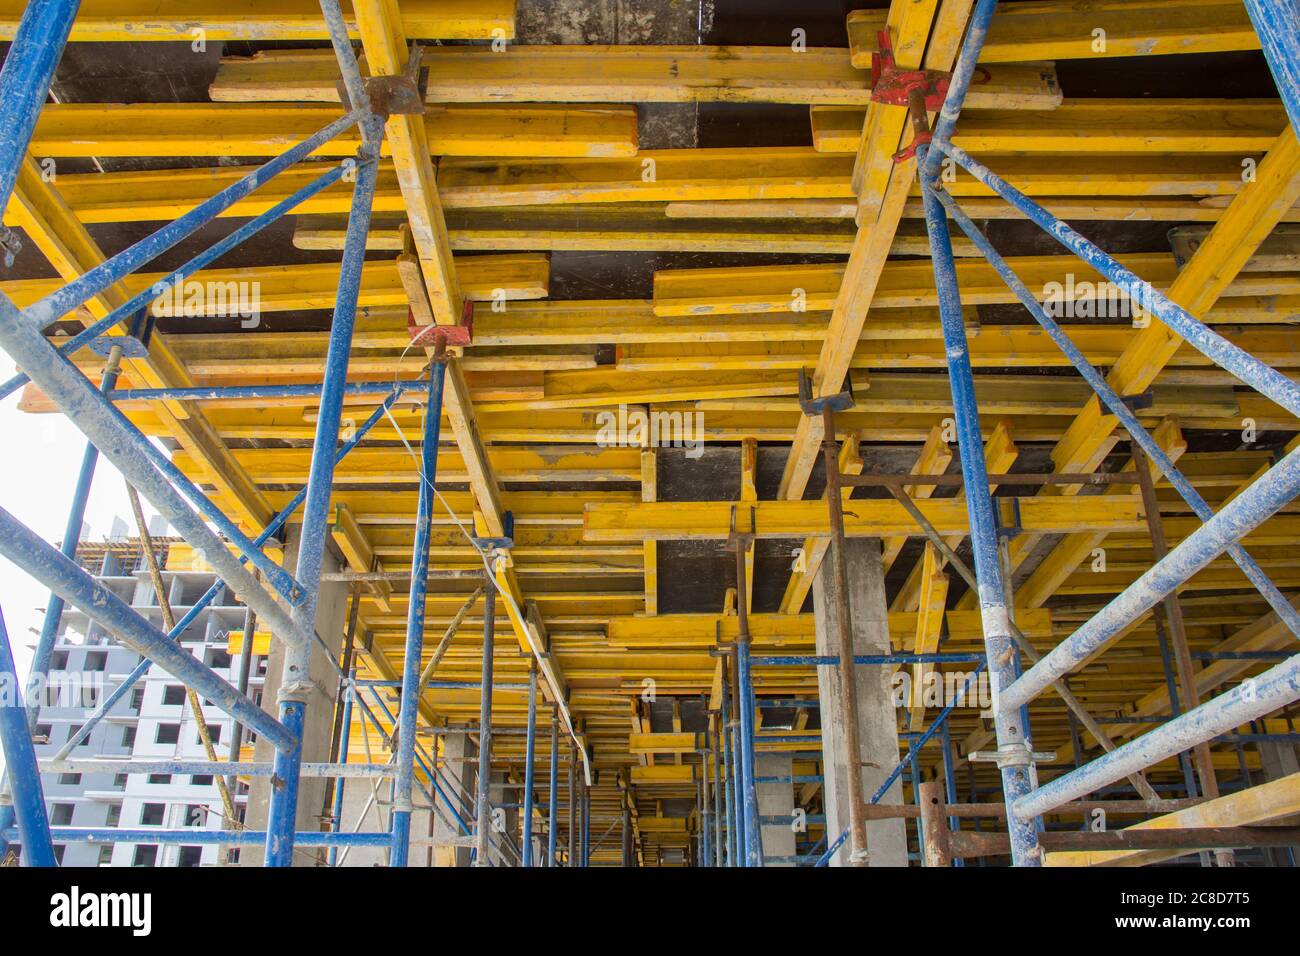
(627, 74)
(315, 286)
(666, 521)
(239, 129)
(1090, 126)
(133, 21)
(1262, 804)
(1064, 30)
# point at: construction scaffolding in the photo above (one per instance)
(384, 120)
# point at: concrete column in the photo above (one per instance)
(507, 837)
(458, 782)
(331, 618)
(776, 800)
(877, 718)
(366, 812)
(1278, 759)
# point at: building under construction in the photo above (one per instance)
(710, 433)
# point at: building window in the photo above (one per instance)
(151, 814)
(217, 658)
(190, 856)
(58, 853)
(114, 813)
(196, 815)
(106, 855)
(43, 733)
(61, 814)
(160, 778)
(137, 698)
(173, 695)
(201, 780)
(128, 737)
(69, 779)
(168, 734)
(96, 660)
(145, 855)
(213, 730)
(59, 661)
(85, 741)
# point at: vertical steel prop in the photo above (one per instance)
(296, 685)
(483, 801)
(410, 710)
(552, 816)
(20, 758)
(530, 747)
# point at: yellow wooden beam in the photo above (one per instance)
(765, 181)
(929, 624)
(650, 549)
(627, 74)
(1064, 30)
(1255, 806)
(133, 21)
(702, 520)
(239, 129)
(314, 286)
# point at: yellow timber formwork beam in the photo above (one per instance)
(782, 181)
(133, 21)
(903, 284)
(239, 129)
(69, 248)
(1065, 29)
(1088, 126)
(618, 74)
(704, 520)
(650, 549)
(315, 286)
(929, 624)
(789, 631)
(1255, 806)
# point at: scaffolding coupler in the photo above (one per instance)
(427, 336)
(840, 401)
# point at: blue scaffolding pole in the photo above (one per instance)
(1026, 800)
(530, 747)
(409, 712)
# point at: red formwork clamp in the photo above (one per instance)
(427, 336)
(919, 90)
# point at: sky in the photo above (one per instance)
(41, 459)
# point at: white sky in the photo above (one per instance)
(38, 471)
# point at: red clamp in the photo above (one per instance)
(891, 85)
(896, 87)
(426, 336)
